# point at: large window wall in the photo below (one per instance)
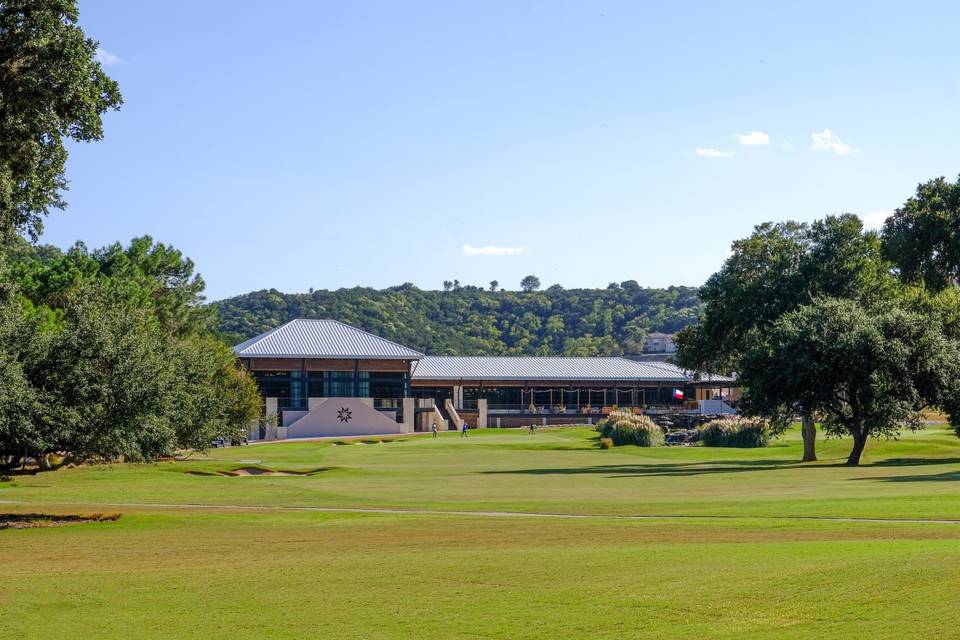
(292, 388)
(572, 398)
(561, 398)
(496, 397)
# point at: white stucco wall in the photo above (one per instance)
(342, 417)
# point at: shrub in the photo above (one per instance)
(625, 427)
(605, 443)
(736, 432)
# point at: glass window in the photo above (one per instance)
(297, 398)
(286, 386)
(317, 384)
(363, 384)
(339, 384)
(386, 385)
(273, 384)
(496, 397)
(439, 394)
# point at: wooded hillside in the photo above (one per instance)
(473, 321)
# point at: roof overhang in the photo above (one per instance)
(298, 356)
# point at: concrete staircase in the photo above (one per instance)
(452, 412)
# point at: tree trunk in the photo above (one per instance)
(43, 461)
(809, 432)
(859, 442)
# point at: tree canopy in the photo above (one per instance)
(923, 236)
(51, 87)
(776, 280)
(775, 270)
(530, 283)
(865, 373)
(146, 273)
(107, 354)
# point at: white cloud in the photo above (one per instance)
(106, 58)
(713, 153)
(752, 139)
(491, 250)
(786, 146)
(874, 219)
(828, 140)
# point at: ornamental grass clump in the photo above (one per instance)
(736, 432)
(624, 427)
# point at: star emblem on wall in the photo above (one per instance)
(344, 414)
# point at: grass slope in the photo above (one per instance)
(206, 572)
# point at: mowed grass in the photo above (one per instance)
(553, 471)
(196, 565)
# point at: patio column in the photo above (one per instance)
(409, 415)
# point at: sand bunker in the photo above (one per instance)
(258, 471)
(247, 472)
(34, 520)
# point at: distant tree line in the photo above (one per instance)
(470, 320)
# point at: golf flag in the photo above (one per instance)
(677, 394)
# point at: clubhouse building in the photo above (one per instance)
(326, 378)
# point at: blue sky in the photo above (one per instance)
(330, 144)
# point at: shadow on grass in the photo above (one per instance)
(664, 468)
(912, 462)
(249, 471)
(736, 466)
(947, 476)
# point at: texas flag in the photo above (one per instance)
(677, 394)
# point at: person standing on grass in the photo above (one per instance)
(433, 428)
(463, 430)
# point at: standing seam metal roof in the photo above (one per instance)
(302, 338)
(549, 368)
(703, 377)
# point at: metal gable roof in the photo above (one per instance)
(303, 338)
(703, 377)
(548, 368)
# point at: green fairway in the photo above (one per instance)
(201, 554)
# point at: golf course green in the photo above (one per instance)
(503, 534)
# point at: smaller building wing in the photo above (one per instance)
(520, 368)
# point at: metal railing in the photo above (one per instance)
(583, 409)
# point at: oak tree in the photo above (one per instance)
(52, 88)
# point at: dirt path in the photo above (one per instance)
(470, 514)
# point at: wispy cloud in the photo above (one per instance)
(106, 58)
(786, 146)
(874, 220)
(752, 139)
(828, 140)
(491, 250)
(713, 153)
